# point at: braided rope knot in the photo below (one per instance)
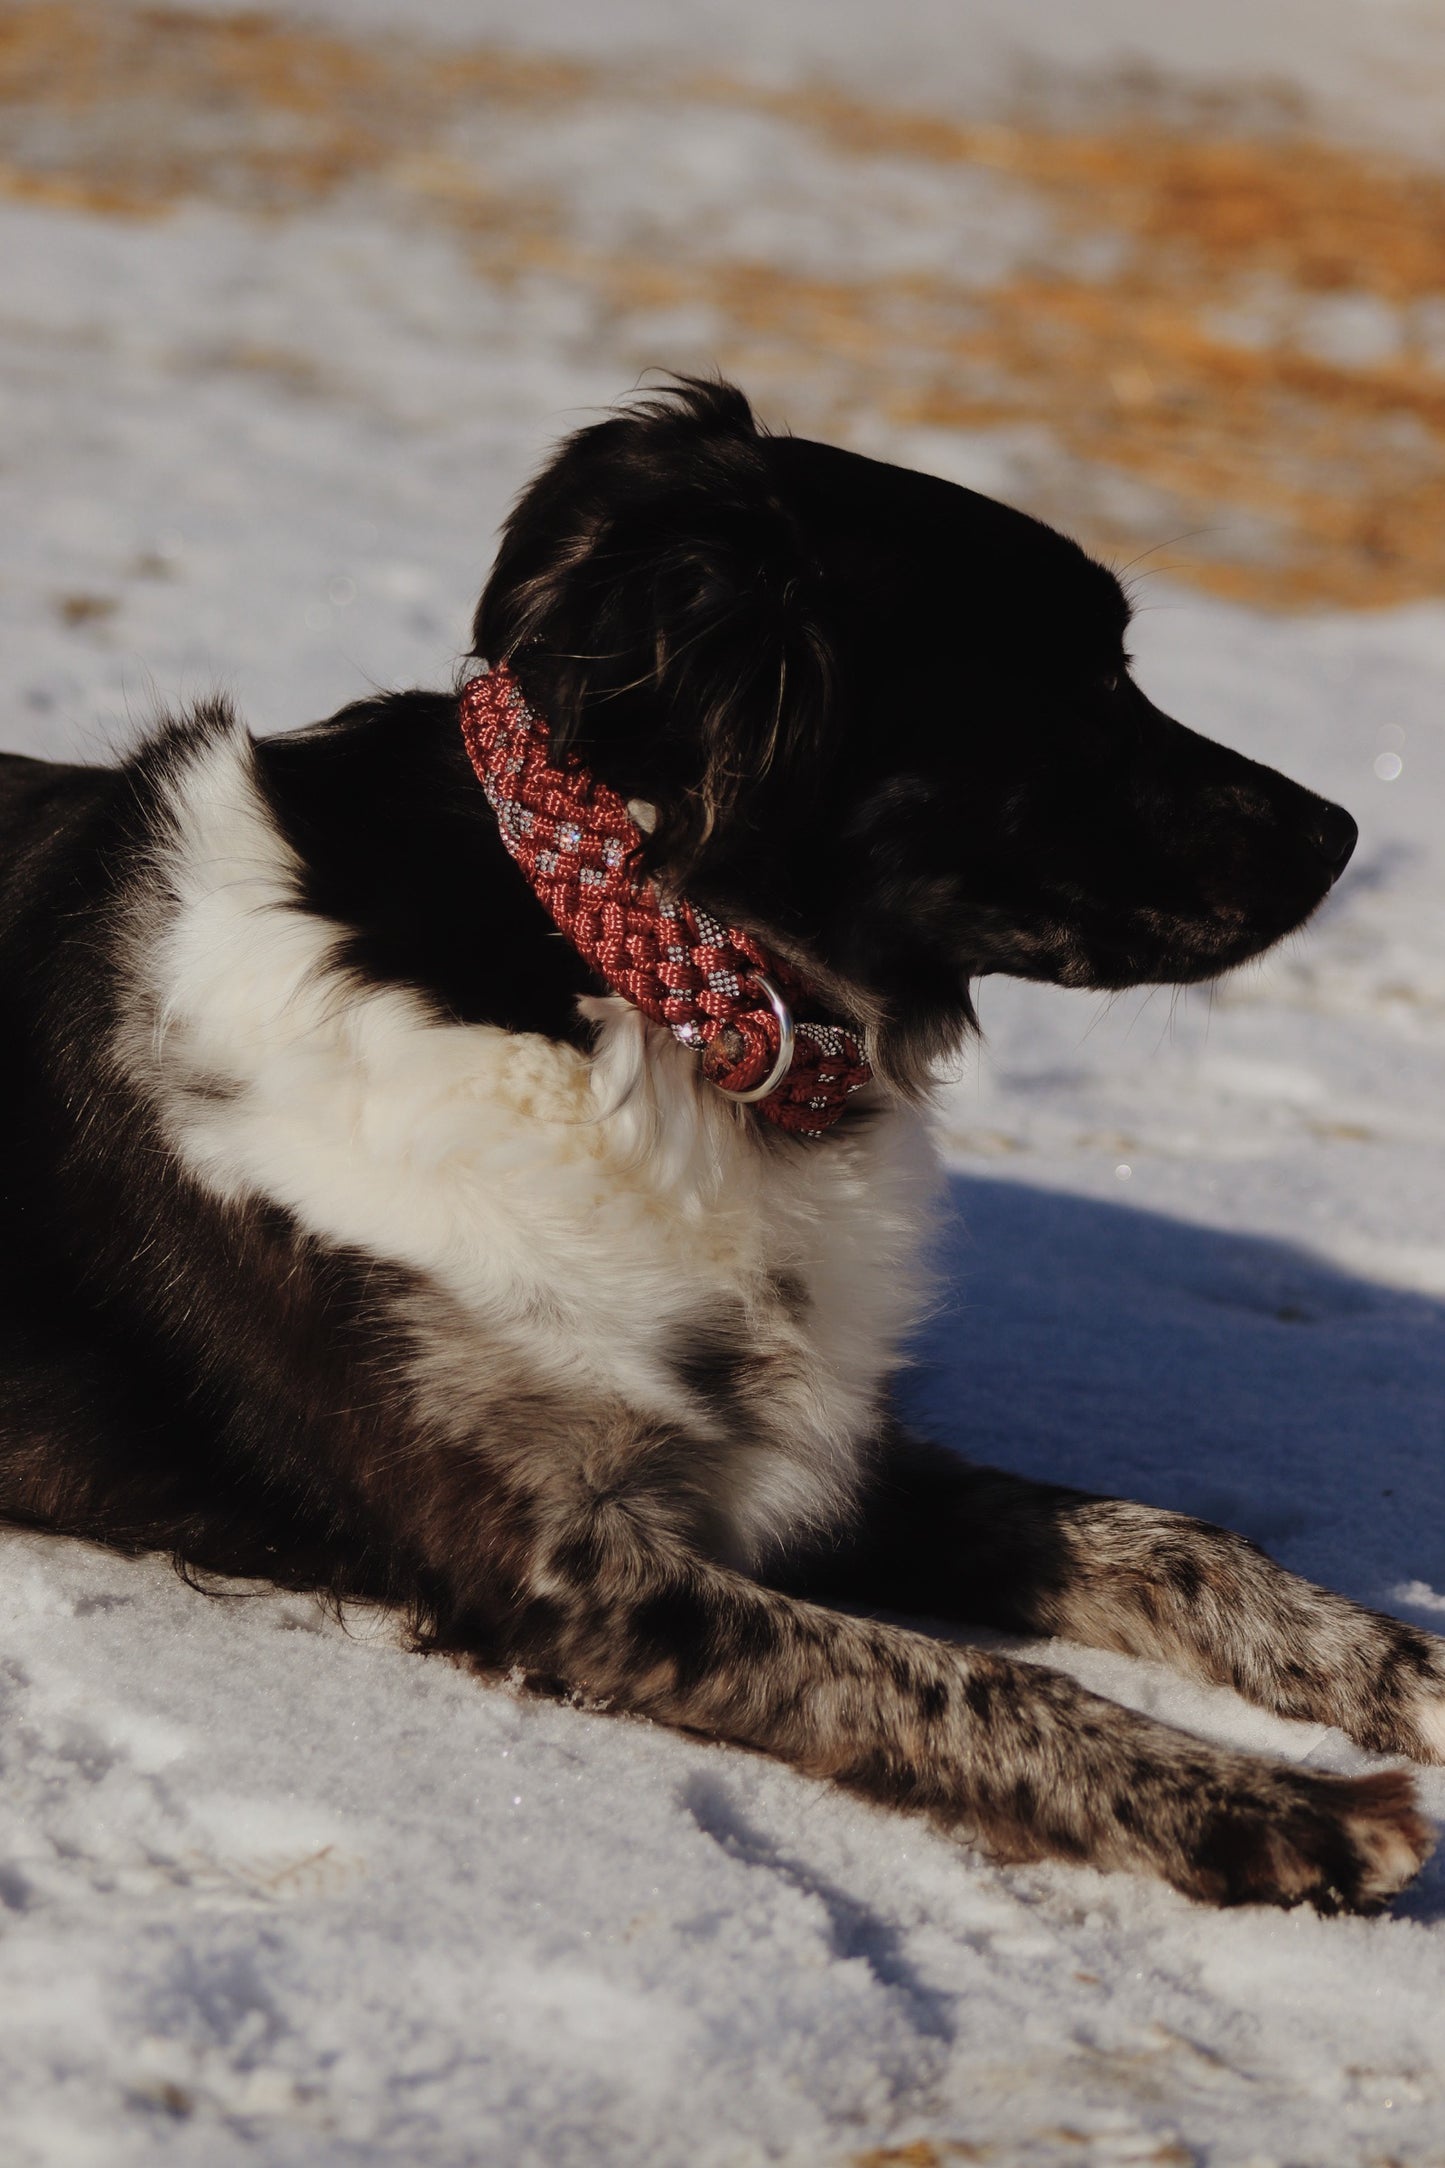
(577, 843)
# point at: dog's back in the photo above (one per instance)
(45, 807)
(107, 1429)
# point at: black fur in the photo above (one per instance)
(400, 847)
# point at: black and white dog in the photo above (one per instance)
(355, 1235)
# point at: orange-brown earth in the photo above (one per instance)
(1182, 356)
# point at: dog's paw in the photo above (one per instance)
(1407, 1712)
(1425, 1708)
(1389, 1838)
(1429, 1721)
(1379, 1681)
(1341, 1844)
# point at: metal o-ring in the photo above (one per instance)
(786, 1041)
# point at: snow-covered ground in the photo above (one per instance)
(274, 1891)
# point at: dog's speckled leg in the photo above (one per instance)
(940, 1538)
(1019, 1757)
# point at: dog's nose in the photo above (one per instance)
(1334, 835)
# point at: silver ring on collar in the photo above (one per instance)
(787, 1038)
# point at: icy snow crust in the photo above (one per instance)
(272, 1891)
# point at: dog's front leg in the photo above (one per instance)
(941, 1538)
(1018, 1756)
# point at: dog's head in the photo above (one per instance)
(884, 723)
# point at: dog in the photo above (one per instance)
(361, 1235)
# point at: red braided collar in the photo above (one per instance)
(575, 840)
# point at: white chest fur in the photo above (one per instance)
(589, 1214)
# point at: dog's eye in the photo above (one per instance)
(1111, 682)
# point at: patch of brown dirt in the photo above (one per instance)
(1186, 382)
(922, 2153)
(134, 109)
(1322, 216)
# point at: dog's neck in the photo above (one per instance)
(713, 986)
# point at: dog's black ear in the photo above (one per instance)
(662, 612)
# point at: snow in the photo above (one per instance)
(273, 1889)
